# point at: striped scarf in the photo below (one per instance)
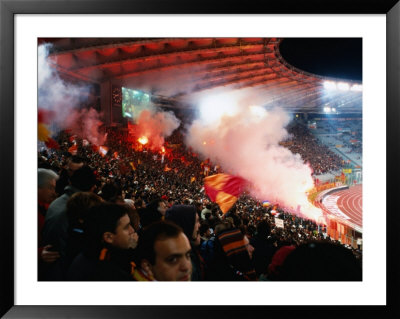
(234, 247)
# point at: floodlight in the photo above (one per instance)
(342, 86)
(356, 87)
(329, 85)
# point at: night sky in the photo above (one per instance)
(333, 57)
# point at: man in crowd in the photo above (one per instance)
(110, 244)
(55, 230)
(186, 217)
(206, 210)
(153, 212)
(73, 163)
(46, 194)
(163, 254)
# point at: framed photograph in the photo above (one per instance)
(24, 23)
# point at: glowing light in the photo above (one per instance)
(204, 143)
(143, 140)
(327, 109)
(257, 110)
(356, 87)
(162, 149)
(213, 108)
(343, 86)
(333, 109)
(329, 85)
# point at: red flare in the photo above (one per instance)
(143, 140)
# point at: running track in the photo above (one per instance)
(345, 204)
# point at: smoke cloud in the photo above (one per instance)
(64, 99)
(245, 142)
(155, 125)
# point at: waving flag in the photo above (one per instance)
(224, 189)
(266, 203)
(44, 118)
(73, 149)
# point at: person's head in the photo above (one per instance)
(236, 249)
(110, 192)
(158, 205)
(263, 229)
(108, 224)
(139, 203)
(46, 185)
(84, 179)
(79, 204)
(205, 230)
(164, 252)
(74, 163)
(321, 261)
(186, 217)
(221, 227)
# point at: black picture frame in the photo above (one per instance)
(8, 10)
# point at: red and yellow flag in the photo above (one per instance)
(224, 189)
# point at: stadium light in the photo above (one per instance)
(327, 109)
(356, 87)
(342, 86)
(329, 85)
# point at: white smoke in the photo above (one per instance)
(64, 100)
(245, 142)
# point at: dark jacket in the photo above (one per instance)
(263, 252)
(55, 233)
(110, 265)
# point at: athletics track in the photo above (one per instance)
(345, 204)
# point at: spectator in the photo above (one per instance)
(46, 194)
(231, 258)
(321, 261)
(73, 163)
(108, 254)
(78, 207)
(206, 210)
(186, 217)
(263, 248)
(164, 254)
(55, 230)
(110, 192)
(153, 212)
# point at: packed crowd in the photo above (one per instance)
(321, 159)
(134, 214)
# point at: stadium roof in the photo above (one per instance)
(177, 68)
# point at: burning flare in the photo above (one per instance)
(143, 140)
